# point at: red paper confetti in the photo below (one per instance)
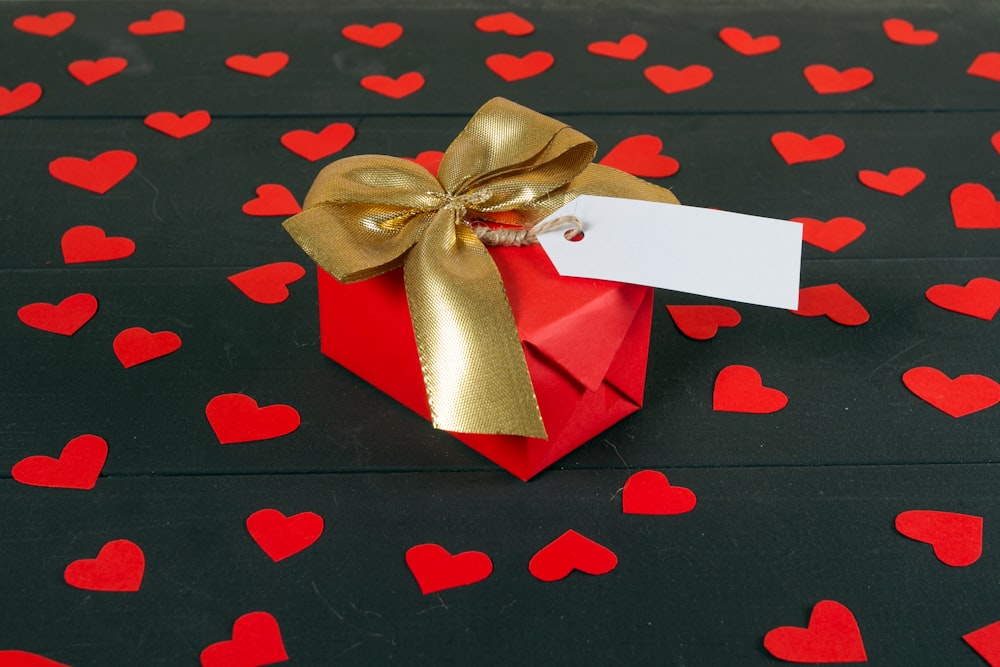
(640, 156)
(629, 47)
(118, 568)
(176, 126)
(21, 97)
(429, 160)
(78, 466)
(162, 22)
(833, 301)
(282, 536)
(89, 72)
(962, 396)
(506, 22)
(742, 42)
(137, 345)
(827, 80)
(795, 148)
(986, 65)
(957, 538)
(980, 297)
(396, 88)
(318, 145)
(900, 181)
(45, 26)
(903, 32)
(99, 174)
(995, 141)
(26, 659)
(650, 492)
(514, 68)
(64, 318)
(236, 418)
(256, 641)
(87, 243)
(272, 199)
(670, 80)
(264, 65)
(568, 552)
(435, 569)
(741, 389)
(832, 636)
(268, 283)
(831, 235)
(703, 322)
(986, 642)
(973, 206)
(378, 36)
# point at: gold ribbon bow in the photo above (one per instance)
(368, 214)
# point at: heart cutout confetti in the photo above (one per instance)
(272, 199)
(317, 145)
(568, 552)
(162, 22)
(900, 181)
(995, 141)
(282, 536)
(89, 72)
(957, 538)
(833, 301)
(980, 297)
(378, 36)
(513, 68)
(832, 636)
(98, 174)
(795, 148)
(435, 569)
(264, 65)
(986, 642)
(64, 318)
(429, 160)
(670, 80)
(650, 492)
(742, 42)
(703, 322)
(640, 156)
(629, 47)
(45, 26)
(741, 389)
(398, 88)
(974, 207)
(507, 22)
(26, 659)
(827, 80)
(962, 396)
(831, 235)
(118, 568)
(903, 32)
(986, 65)
(177, 126)
(256, 641)
(86, 243)
(21, 97)
(268, 283)
(237, 418)
(137, 345)
(78, 466)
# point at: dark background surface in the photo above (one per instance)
(793, 507)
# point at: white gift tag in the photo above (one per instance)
(702, 251)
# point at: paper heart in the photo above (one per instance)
(831, 235)
(264, 65)
(435, 569)
(986, 642)
(832, 636)
(640, 156)
(272, 199)
(26, 659)
(986, 65)
(703, 322)
(317, 145)
(833, 301)
(78, 466)
(957, 538)
(974, 207)
(826, 80)
(46, 26)
(89, 72)
(741, 41)
(398, 88)
(795, 148)
(256, 642)
(571, 551)
(237, 418)
(176, 126)
(741, 389)
(282, 536)
(506, 22)
(995, 141)
(118, 568)
(962, 396)
(268, 283)
(902, 32)
(429, 160)
(86, 243)
(670, 80)
(380, 35)
(512, 68)
(64, 318)
(21, 97)
(900, 181)
(160, 23)
(628, 47)
(979, 298)
(137, 345)
(649, 492)
(98, 174)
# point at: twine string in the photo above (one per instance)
(522, 236)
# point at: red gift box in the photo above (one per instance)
(585, 341)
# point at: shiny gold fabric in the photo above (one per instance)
(369, 214)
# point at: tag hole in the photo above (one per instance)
(571, 235)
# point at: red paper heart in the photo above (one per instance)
(649, 492)
(137, 345)
(740, 389)
(65, 318)
(317, 145)
(429, 160)
(902, 32)
(272, 199)
(995, 141)
(986, 65)
(160, 23)
(795, 148)
(25, 659)
(21, 97)
(265, 65)
(703, 322)
(99, 174)
(506, 22)
(118, 568)
(831, 636)
(670, 80)
(979, 298)
(900, 181)
(571, 551)
(974, 207)
(282, 536)
(986, 642)
(398, 88)
(78, 466)
(86, 243)
(640, 156)
(833, 301)
(628, 47)
(962, 396)
(831, 235)
(379, 36)
(826, 80)
(435, 569)
(512, 68)
(743, 42)
(46, 26)
(89, 72)
(268, 283)
(176, 126)
(957, 538)
(237, 418)
(256, 642)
